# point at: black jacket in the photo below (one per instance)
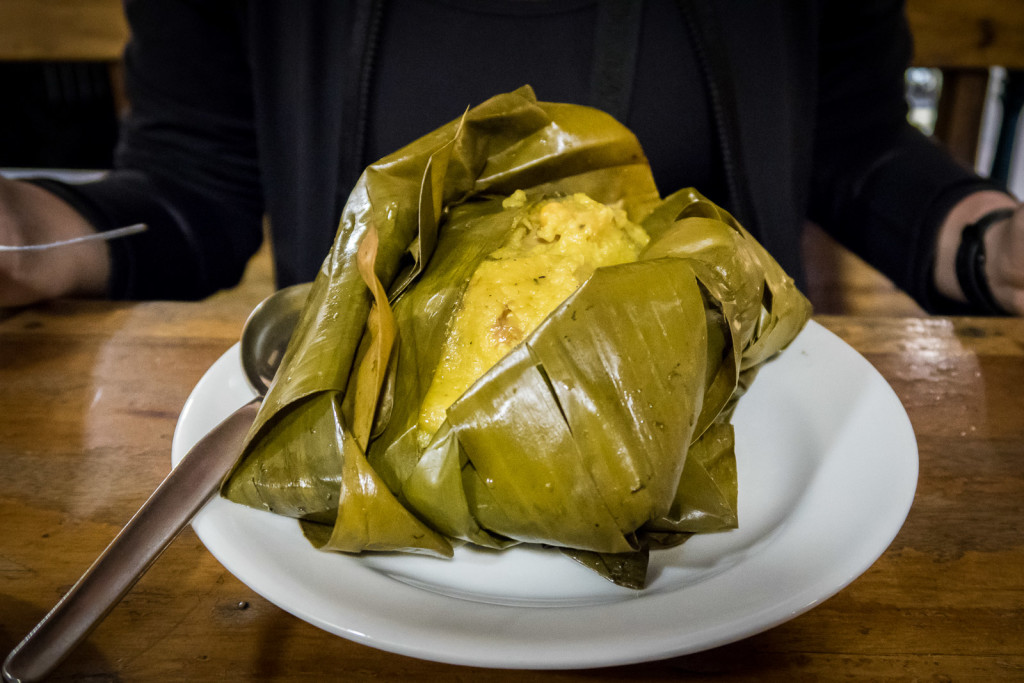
(243, 109)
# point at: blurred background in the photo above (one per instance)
(57, 115)
(62, 100)
(60, 82)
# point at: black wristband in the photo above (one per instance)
(970, 262)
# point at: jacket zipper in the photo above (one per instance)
(353, 159)
(701, 27)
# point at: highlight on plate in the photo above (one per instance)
(515, 339)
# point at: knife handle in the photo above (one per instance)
(189, 486)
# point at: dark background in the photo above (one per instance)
(57, 115)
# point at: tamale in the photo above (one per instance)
(552, 249)
(602, 428)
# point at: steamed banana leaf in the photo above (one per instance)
(604, 432)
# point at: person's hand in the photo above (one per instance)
(1004, 249)
(31, 215)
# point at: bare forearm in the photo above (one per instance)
(31, 215)
(1004, 249)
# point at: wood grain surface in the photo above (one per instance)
(62, 30)
(90, 393)
(956, 34)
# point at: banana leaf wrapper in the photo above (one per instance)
(604, 433)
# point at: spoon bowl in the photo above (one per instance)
(191, 484)
(267, 331)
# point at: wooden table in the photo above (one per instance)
(89, 397)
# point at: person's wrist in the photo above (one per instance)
(1004, 273)
(32, 215)
(974, 268)
(967, 212)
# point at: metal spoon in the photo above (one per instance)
(197, 478)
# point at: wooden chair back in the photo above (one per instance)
(62, 30)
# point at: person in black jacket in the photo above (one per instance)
(781, 112)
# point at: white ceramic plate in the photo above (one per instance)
(827, 471)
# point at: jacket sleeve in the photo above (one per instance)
(186, 162)
(880, 186)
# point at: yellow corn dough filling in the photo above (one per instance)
(552, 250)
